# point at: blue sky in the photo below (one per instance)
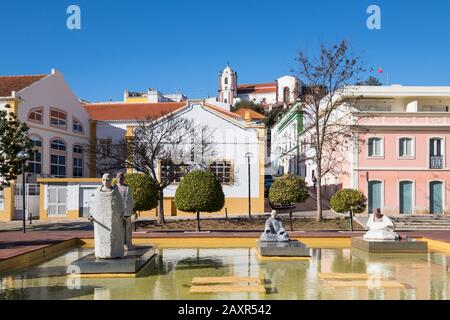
(182, 45)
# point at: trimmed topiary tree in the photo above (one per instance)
(288, 189)
(145, 192)
(199, 191)
(349, 200)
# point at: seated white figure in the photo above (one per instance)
(380, 227)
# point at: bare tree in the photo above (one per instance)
(165, 148)
(327, 131)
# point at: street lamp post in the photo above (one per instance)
(23, 156)
(249, 155)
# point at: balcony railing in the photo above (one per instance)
(436, 162)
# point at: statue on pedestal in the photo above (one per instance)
(380, 227)
(127, 195)
(107, 215)
(273, 230)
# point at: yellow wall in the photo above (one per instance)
(8, 212)
(136, 99)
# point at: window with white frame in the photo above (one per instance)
(57, 145)
(35, 163)
(36, 115)
(58, 119)
(77, 167)
(58, 166)
(77, 161)
(406, 147)
(375, 147)
(58, 158)
(77, 126)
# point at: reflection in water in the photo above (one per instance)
(170, 273)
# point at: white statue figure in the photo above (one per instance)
(107, 215)
(127, 195)
(380, 227)
(273, 230)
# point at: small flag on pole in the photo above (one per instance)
(380, 70)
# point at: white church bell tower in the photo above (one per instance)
(227, 85)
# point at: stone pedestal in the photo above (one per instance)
(292, 248)
(390, 246)
(131, 263)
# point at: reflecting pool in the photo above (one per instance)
(329, 274)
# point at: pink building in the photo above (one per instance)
(401, 154)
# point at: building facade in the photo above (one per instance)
(398, 154)
(285, 148)
(232, 135)
(59, 129)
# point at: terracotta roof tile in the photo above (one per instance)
(257, 88)
(253, 114)
(130, 111)
(8, 84)
(225, 112)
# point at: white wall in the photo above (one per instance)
(230, 142)
(53, 91)
(291, 83)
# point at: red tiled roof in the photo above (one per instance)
(225, 112)
(257, 88)
(253, 114)
(8, 84)
(130, 111)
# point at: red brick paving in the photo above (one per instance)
(15, 243)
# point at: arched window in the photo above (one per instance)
(57, 145)
(286, 95)
(77, 161)
(77, 127)
(36, 115)
(58, 156)
(226, 80)
(35, 163)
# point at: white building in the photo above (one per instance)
(283, 91)
(233, 135)
(59, 127)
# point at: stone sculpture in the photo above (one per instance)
(127, 195)
(107, 216)
(380, 227)
(273, 230)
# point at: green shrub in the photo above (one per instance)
(289, 189)
(349, 200)
(145, 193)
(199, 191)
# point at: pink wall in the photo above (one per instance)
(391, 168)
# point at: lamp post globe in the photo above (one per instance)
(23, 156)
